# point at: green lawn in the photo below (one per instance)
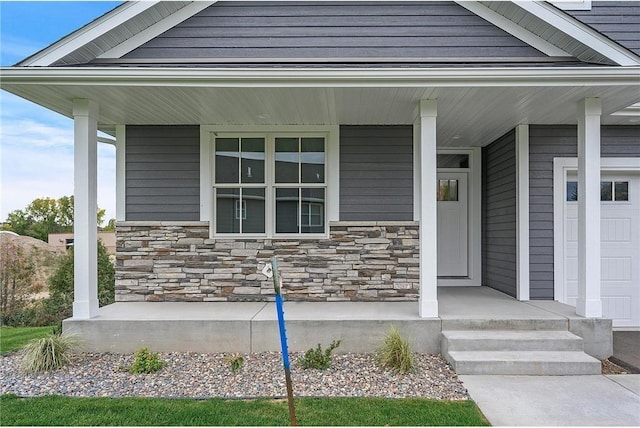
(58, 410)
(12, 338)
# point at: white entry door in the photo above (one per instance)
(453, 220)
(620, 246)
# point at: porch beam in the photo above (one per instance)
(85, 227)
(589, 302)
(425, 132)
(522, 209)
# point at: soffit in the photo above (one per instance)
(467, 116)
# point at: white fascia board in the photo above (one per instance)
(87, 34)
(156, 29)
(512, 28)
(580, 32)
(317, 78)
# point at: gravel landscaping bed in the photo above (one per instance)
(209, 375)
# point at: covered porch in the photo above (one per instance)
(252, 326)
(447, 109)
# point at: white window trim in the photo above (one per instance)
(561, 169)
(474, 218)
(331, 133)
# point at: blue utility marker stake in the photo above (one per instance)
(277, 284)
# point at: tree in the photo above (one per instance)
(16, 281)
(44, 216)
(111, 226)
(60, 303)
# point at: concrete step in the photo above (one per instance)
(505, 323)
(510, 340)
(547, 363)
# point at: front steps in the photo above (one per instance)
(517, 352)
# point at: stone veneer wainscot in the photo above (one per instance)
(176, 261)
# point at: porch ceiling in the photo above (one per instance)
(471, 115)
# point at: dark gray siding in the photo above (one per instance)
(618, 20)
(330, 30)
(545, 143)
(163, 173)
(376, 173)
(499, 215)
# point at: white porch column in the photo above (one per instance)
(85, 293)
(589, 303)
(121, 187)
(522, 209)
(424, 131)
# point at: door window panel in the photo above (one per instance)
(622, 191)
(610, 191)
(447, 190)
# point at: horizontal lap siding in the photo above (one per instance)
(499, 215)
(334, 30)
(376, 173)
(545, 143)
(618, 20)
(163, 173)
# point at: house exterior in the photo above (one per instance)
(379, 150)
(64, 241)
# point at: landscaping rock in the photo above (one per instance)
(209, 375)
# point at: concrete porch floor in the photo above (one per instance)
(252, 327)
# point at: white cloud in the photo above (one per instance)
(15, 49)
(37, 157)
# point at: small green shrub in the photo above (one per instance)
(235, 362)
(395, 352)
(48, 353)
(146, 362)
(316, 358)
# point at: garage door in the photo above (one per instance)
(620, 246)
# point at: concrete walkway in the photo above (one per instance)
(612, 400)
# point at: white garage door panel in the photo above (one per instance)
(620, 254)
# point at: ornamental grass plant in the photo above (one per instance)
(48, 353)
(395, 352)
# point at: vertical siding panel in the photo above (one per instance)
(499, 262)
(545, 143)
(376, 173)
(163, 173)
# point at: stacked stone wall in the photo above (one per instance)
(176, 261)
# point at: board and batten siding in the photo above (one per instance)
(333, 30)
(545, 143)
(499, 261)
(376, 173)
(163, 173)
(618, 20)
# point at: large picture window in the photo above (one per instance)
(270, 185)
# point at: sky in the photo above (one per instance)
(36, 145)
